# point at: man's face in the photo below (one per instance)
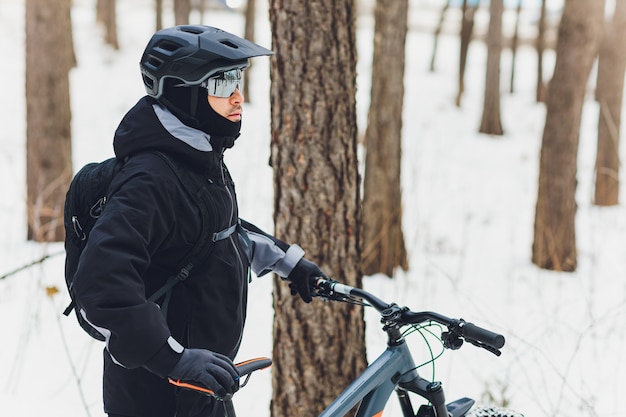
(228, 107)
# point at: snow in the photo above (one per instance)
(468, 218)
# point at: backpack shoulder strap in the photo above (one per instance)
(195, 186)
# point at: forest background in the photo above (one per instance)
(468, 203)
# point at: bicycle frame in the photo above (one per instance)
(374, 385)
(393, 370)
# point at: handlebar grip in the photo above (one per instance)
(244, 368)
(471, 331)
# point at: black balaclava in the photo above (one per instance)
(190, 104)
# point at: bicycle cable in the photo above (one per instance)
(348, 299)
(421, 329)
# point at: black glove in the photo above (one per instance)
(207, 369)
(303, 277)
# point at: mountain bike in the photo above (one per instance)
(395, 370)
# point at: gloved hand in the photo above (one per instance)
(207, 369)
(302, 279)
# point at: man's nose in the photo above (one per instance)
(237, 96)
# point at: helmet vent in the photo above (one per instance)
(229, 44)
(148, 81)
(153, 62)
(191, 29)
(168, 46)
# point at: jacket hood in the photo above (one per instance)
(150, 126)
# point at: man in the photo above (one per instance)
(192, 113)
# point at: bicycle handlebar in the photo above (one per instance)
(469, 331)
(327, 287)
(458, 328)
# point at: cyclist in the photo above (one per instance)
(192, 112)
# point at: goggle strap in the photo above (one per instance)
(194, 102)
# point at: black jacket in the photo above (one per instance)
(148, 226)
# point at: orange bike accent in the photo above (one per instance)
(190, 386)
(378, 414)
(251, 361)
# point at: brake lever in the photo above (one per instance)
(329, 295)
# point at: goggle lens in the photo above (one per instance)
(224, 84)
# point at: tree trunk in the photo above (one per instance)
(107, 16)
(467, 29)
(514, 43)
(249, 34)
(554, 245)
(48, 116)
(158, 5)
(318, 347)
(541, 46)
(182, 9)
(491, 123)
(437, 33)
(383, 241)
(610, 88)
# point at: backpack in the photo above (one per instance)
(86, 199)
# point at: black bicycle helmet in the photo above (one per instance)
(192, 54)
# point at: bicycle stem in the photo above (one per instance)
(391, 318)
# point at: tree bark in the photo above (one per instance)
(182, 9)
(107, 16)
(158, 6)
(48, 116)
(383, 240)
(609, 93)
(318, 347)
(442, 16)
(554, 245)
(467, 30)
(540, 94)
(491, 123)
(514, 44)
(249, 34)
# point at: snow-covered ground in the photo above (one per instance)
(468, 216)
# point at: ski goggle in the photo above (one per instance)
(225, 83)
